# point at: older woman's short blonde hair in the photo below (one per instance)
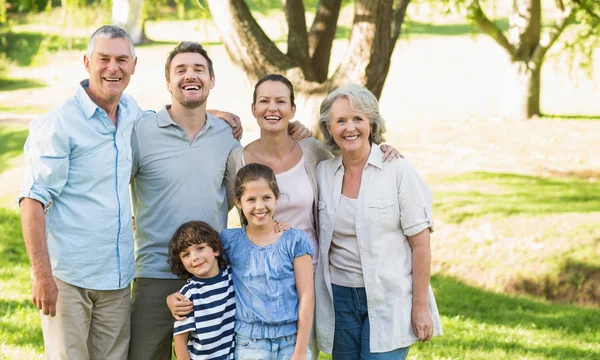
(362, 100)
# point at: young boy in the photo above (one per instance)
(207, 332)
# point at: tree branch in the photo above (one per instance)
(548, 39)
(324, 23)
(297, 35)
(488, 27)
(321, 36)
(398, 20)
(246, 42)
(367, 57)
(560, 5)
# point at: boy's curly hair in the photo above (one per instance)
(188, 234)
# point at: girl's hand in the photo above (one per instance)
(422, 324)
(390, 153)
(281, 226)
(179, 305)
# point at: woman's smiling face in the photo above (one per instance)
(349, 127)
(273, 109)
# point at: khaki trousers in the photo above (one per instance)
(89, 324)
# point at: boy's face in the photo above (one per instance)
(200, 260)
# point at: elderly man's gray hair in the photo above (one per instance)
(362, 100)
(109, 32)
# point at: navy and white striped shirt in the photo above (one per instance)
(211, 324)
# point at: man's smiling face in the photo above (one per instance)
(110, 67)
(190, 81)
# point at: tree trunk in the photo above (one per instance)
(128, 15)
(527, 90)
(366, 61)
(307, 107)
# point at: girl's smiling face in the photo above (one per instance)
(258, 203)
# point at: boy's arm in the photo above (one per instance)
(181, 349)
(303, 273)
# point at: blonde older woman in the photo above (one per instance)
(373, 298)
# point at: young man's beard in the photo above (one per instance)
(192, 104)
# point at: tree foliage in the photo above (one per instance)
(528, 41)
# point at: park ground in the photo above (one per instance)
(516, 251)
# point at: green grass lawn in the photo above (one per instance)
(11, 144)
(505, 194)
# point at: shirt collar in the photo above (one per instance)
(375, 158)
(88, 106)
(164, 119)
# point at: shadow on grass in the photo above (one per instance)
(19, 331)
(11, 145)
(571, 117)
(516, 195)
(576, 282)
(18, 84)
(456, 299)
(24, 48)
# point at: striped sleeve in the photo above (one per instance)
(189, 324)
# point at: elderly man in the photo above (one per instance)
(80, 247)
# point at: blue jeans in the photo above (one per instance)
(281, 348)
(352, 331)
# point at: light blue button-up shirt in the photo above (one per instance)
(78, 161)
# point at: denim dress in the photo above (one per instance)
(264, 282)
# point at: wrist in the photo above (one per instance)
(419, 305)
(40, 274)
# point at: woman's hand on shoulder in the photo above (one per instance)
(390, 153)
(281, 226)
(422, 323)
(179, 305)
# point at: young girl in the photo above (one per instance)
(272, 274)
(207, 332)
